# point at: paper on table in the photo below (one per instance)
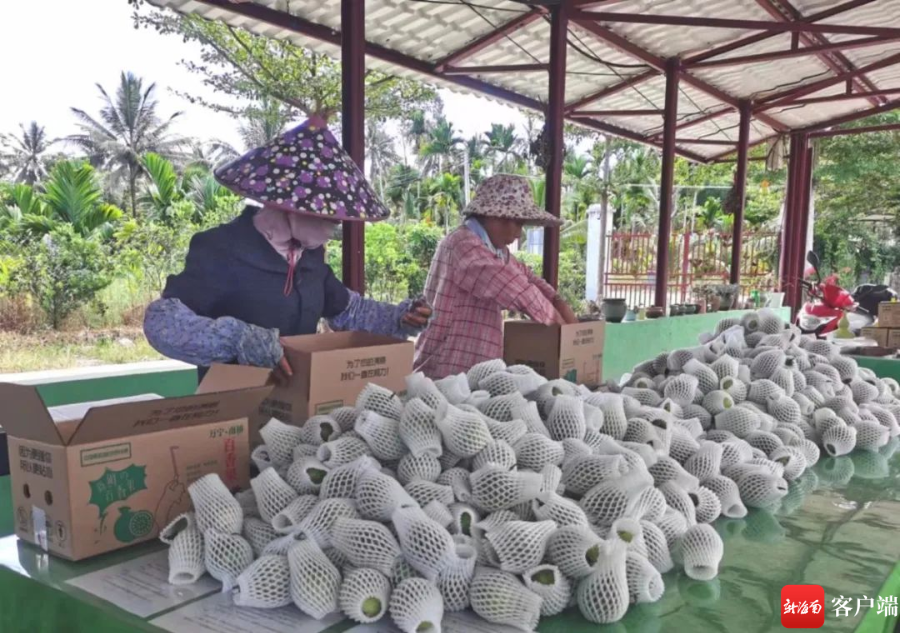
(459, 622)
(140, 586)
(217, 614)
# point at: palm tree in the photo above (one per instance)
(440, 144)
(127, 129)
(24, 155)
(72, 195)
(263, 122)
(504, 146)
(381, 152)
(444, 199)
(162, 189)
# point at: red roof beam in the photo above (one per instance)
(704, 141)
(485, 70)
(888, 127)
(488, 39)
(844, 96)
(630, 48)
(802, 52)
(624, 113)
(726, 23)
(786, 12)
(788, 96)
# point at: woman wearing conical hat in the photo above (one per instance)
(473, 280)
(263, 275)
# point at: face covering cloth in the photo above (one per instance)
(290, 234)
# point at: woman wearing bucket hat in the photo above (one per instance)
(263, 275)
(473, 280)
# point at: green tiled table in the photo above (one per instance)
(843, 536)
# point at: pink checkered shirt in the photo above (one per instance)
(469, 287)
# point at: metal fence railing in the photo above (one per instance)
(695, 259)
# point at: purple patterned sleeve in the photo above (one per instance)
(174, 330)
(375, 317)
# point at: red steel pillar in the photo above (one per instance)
(788, 225)
(804, 194)
(667, 181)
(353, 110)
(559, 29)
(740, 185)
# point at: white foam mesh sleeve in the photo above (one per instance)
(567, 419)
(418, 429)
(701, 550)
(345, 417)
(520, 545)
(672, 524)
(465, 433)
(424, 492)
(176, 525)
(455, 580)
(416, 606)
(534, 450)
(426, 545)
(365, 595)
(226, 556)
(424, 467)
(760, 489)
(455, 388)
(186, 556)
(342, 450)
(501, 598)
(318, 524)
(681, 389)
(289, 519)
(377, 399)
(667, 469)
(273, 494)
(494, 488)
(378, 496)
(265, 584)
(738, 420)
(509, 432)
(560, 510)
(341, 482)
(602, 596)
(706, 462)
(870, 436)
(645, 584)
(554, 589)
(280, 440)
(528, 413)
(708, 505)
(258, 533)
(574, 549)
(439, 513)
(657, 547)
(305, 475)
(613, 498)
(482, 370)
(366, 544)
(214, 507)
(498, 453)
(315, 581)
(458, 480)
(382, 434)
(319, 429)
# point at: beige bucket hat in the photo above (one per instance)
(509, 196)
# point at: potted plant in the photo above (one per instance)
(728, 294)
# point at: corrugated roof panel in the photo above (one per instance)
(668, 41)
(429, 31)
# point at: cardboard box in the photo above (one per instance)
(99, 476)
(877, 334)
(573, 352)
(889, 314)
(893, 341)
(330, 370)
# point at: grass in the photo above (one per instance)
(68, 350)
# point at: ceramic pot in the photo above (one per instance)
(630, 315)
(676, 309)
(614, 310)
(691, 308)
(655, 312)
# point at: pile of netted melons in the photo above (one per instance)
(515, 496)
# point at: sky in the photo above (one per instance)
(54, 53)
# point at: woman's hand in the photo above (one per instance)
(565, 312)
(418, 316)
(282, 371)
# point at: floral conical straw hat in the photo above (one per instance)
(304, 171)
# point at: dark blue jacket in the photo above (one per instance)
(232, 271)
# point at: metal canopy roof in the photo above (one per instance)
(616, 54)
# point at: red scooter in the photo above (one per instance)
(828, 302)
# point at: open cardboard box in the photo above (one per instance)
(99, 476)
(330, 370)
(572, 352)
